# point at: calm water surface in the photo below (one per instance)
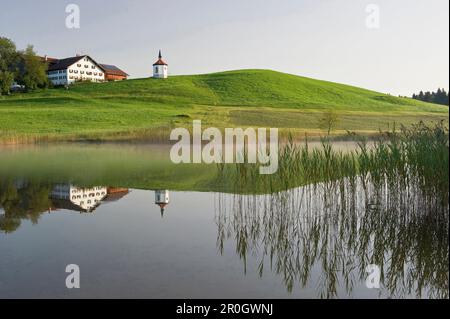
(141, 227)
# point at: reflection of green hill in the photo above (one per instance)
(140, 166)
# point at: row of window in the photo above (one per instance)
(86, 196)
(74, 71)
(86, 66)
(88, 73)
(57, 72)
(82, 78)
(89, 202)
(81, 190)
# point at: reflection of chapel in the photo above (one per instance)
(162, 199)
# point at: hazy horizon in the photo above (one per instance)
(327, 40)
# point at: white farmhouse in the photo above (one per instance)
(160, 68)
(75, 69)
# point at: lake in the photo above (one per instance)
(139, 226)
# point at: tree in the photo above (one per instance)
(421, 96)
(438, 97)
(329, 121)
(6, 81)
(8, 64)
(33, 72)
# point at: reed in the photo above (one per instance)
(411, 155)
(385, 203)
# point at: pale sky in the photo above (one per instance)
(322, 39)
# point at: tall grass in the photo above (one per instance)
(412, 156)
(319, 238)
(385, 203)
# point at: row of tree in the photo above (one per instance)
(23, 67)
(438, 97)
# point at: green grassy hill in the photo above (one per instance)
(139, 108)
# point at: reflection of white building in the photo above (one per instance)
(162, 199)
(78, 198)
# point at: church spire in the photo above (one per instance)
(160, 55)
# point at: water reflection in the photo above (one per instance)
(67, 196)
(162, 199)
(336, 230)
(22, 200)
(321, 236)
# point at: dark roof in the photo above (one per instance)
(48, 59)
(115, 194)
(160, 62)
(112, 70)
(64, 63)
(68, 205)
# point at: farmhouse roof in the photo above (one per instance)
(64, 63)
(59, 204)
(113, 70)
(48, 59)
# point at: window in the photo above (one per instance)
(81, 72)
(93, 67)
(101, 74)
(79, 65)
(86, 66)
(70, 71)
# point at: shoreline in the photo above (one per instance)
(160, 139)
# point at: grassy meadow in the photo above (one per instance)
(149, 108)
